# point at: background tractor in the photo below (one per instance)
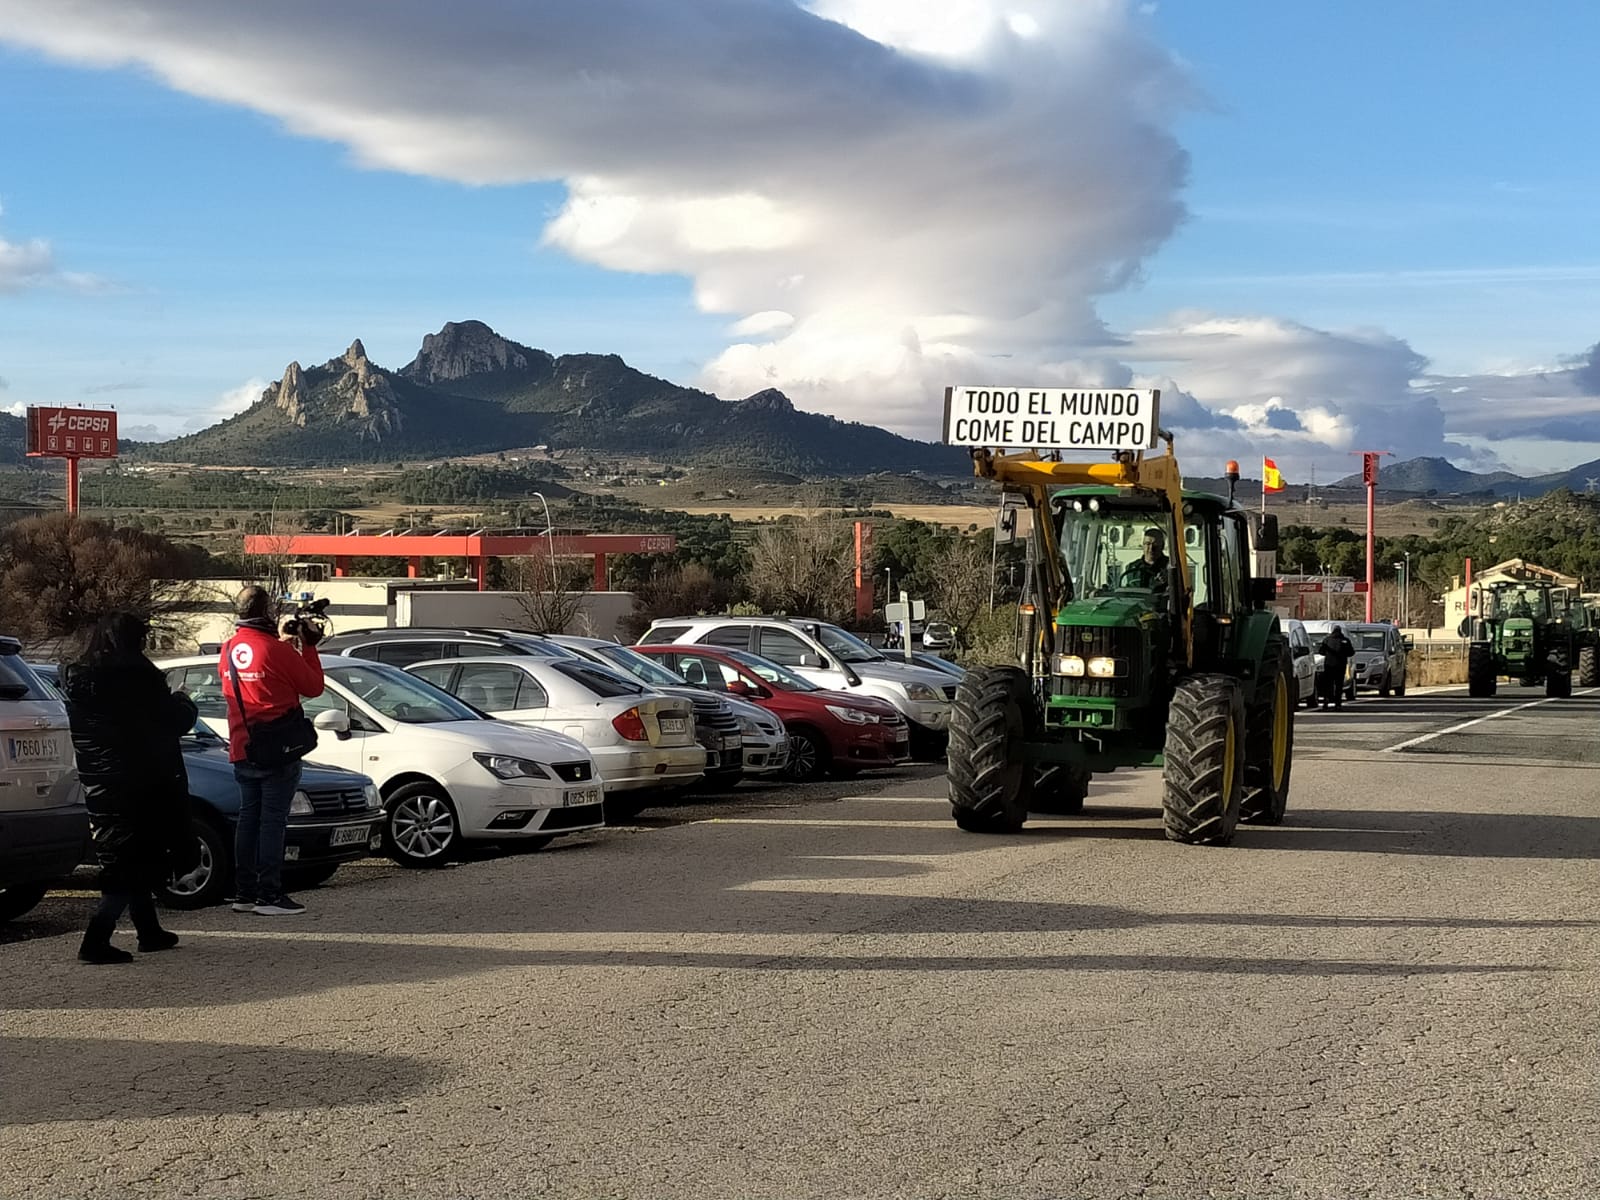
(1528, 631)
(1143, 641)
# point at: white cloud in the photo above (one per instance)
(17, 409)
(920, 187)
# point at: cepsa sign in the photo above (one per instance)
(1051, 418)
(72, 433)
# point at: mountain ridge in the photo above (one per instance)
(470, 390)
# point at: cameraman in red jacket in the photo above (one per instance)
(274, 672)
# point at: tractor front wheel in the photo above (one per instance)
(1205, 756)
(1269, 739)
(1480, 670)
(1589, 666)
(1558, 683)
(990, 780)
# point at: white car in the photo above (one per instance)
(766, 741)
(1305, 662)
(640, 739)
(44, 827)
(831, 658)
(445, 772)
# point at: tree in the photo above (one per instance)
(961, 583)
(61, 573)
(549, 590)
(805, 567)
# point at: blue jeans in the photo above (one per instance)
(264, 798)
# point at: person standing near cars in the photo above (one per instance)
(264, 673)
(1337, 651)
(126, 724)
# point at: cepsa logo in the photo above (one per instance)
(72, 433)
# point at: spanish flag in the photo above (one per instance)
(1271, 477)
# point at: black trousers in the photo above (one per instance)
(139, 904)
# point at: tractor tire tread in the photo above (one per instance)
(1196, 809)
(980, 770)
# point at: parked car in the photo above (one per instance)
(831, 658)
(44, 827)
(938, 635)
(1380, 661)
(641, 740)
(828, 731)
(445, 771)
(406, 645)
(764, 746)
(333, 819)
(1305, 663)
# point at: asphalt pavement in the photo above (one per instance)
(836, 993)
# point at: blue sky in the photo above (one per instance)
(1364, 181)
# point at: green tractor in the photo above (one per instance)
(1583, 614)
(1527, 631)
(1129, 656)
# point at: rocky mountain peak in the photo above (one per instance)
(290, 394)
(770, 400)
(356, 354)
(465, 348)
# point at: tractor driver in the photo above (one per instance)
(1149, 570)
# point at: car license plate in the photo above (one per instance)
(291, 854)
(576, 797)
(349, 835)
(34, 751)
(674, 725)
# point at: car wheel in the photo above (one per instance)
(420, 827)
(210, 886)
(808, 756)
(20, 899)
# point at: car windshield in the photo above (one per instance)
(1107, 550)
(844, 646)
(771, 671)
(396, 695)
(641, 666)
(1368, 639)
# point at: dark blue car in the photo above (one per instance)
(335, 818)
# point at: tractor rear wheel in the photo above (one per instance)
(1558, 684)
(1060, 790)
(990, 780)
(1205, 754)
(1480, 670)
(1589, 666)
(1269, 738)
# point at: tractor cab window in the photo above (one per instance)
(1114, 551)
(1531, 602)
(1197, 552)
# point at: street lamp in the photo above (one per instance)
(1399, 591)
(1406, 594)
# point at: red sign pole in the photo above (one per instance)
(72, 485)
(1369, 476)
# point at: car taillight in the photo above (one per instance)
(630, 725)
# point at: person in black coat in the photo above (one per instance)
(1337, 651)
(126, 724)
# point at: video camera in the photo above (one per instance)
(309, 621)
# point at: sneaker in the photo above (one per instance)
(283, 906)
(241, 905)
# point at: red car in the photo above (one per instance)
(828, 731)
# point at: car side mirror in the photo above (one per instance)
(1300, 651)
(815, 661)
(334, 721)
(740, 688)
(1409, 643)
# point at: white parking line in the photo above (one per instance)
(1504, 712)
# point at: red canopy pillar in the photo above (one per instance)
(480, 572)
(601, 583)
(414, 567)
(341, 566)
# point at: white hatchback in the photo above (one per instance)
(640, 739)
(445, 772)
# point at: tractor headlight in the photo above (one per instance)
(1071, 664)
(1104, 668)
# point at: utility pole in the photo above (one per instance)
(1369, 476)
